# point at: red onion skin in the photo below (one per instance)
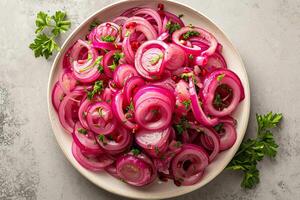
(175, 57)
(228, 138)
(131, 85)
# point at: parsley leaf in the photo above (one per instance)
(182, 125)
(98, 87)
(187, 104)
(82, 131)
(172, 27)
(180, 15)
(254, 150)
(61, 25)
(189, 34)
(155, 59)
(220, 77)
(42, 21)
(43, 46)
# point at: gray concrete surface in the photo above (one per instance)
(267, 34)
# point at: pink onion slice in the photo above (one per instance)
(117, 108)
(116, 142)
(199, 114)
(68, 109)
(154, 142)
(196, 50)
(175, 57)
(188, 165)
(153, 14)
(131, 86)
(67, 81)
(150, 59)
(123, 73)
(57, 95)
(133, 170)
(219, 79)
(85, 140)
(227, 136)
(100, 118)
(93, 162)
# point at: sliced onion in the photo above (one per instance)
(131, 86)
(116, 142)
(67, 81)
(217, 79)
(154, 142)
(83, 109)
(85, 139)
(100, 118)
(85, 70)
(150, 59)
(107, 62)
(57, 95)
(188, 165)
(175, 57)
(120, 20)
(196, 50)
(103, 30)
(133, 170)
(117, 108)
(93, 162)
(199, 114)
(153, 14)
(123, 73)
(68, 109)
(227, 136)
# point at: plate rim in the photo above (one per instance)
(77, 30)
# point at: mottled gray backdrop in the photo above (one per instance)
(267, 34)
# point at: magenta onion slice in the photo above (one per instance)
(133, 170)
(196, 50)
(123, 73)
(150, 59)
(150, 12)
(68, 109)
(131, 86)
(85, 140)
(100, 118)
(188, 165)
(116, 142)
(175, 57)
(85, 69)
(198, 112)
(93, 162)
(83, 109)
(57, 95)
(154, 142)
(227, 136)
(117, 108)
(67, 81)
(101, 33)
(228, 81)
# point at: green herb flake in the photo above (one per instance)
(102, 139)
(220, 77)
(218, 100)
(186, 104)
(219, 127)
(127, 33)
(98, 87)
(108, 38)
(180, 15)
(172, 27)
(156, 149)
(191, 56)
(154, 60)
(82, 131)
(189, 34)
(254, 150)
(182, 125)
(135, 151)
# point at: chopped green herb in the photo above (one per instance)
(135, 151)
(100, 69)
(156, 149)
(172, 27)
(220, 77)
(127, 33)
(98, 87)
(191, 56)
(254, 150)
(186, 76)
(180, 15)
(82, 131)
(189, 34)
(154, 111)
(90, 57)
(130, 107)
(218, 100)
(178, 144)
(191, 26)
(156, 58)
(94, 24)
(108, 38)
(102, 139)
(187, 104)
(219, 127)
(182, 125)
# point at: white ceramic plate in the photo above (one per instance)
(156, 190)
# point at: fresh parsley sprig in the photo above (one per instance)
(254, 150)
(44, 44)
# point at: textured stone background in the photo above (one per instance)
(267, 34)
